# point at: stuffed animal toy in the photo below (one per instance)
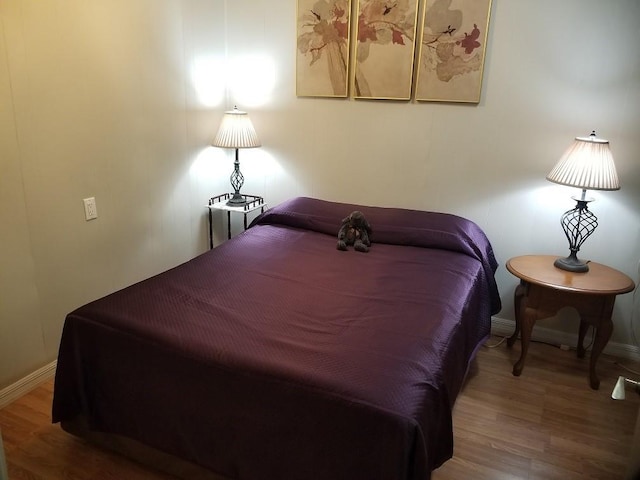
(355, 230)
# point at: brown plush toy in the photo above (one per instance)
(355, 230)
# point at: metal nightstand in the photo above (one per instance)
(219, 202)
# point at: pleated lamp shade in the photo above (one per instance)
(236, 131)
(587, 164)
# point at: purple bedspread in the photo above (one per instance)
(276, 356)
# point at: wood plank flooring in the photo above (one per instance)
(546, 424)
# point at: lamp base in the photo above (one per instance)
(237, 200)
(571, 264)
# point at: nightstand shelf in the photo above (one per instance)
(219, 202)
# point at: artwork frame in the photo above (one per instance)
(323, 31)
(384, 50)
(453, 44)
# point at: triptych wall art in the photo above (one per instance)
(388, 51)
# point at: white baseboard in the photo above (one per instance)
(26, 384)
(503, 327)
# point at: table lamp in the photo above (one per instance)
(236, 131)
(587, 164)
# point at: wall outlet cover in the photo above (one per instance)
(90, 208)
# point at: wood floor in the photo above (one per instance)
(547, 424)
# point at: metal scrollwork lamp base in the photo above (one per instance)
(236, 179)
(578, 224)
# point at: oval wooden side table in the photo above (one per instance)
(545, 289)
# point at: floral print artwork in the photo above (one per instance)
(386, 31)
(449, 65)
(323, 47)
(452, 50)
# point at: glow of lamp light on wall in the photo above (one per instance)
(548, 196)
(252, 79)
(206, 164)
(209, 77)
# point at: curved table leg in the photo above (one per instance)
(584, 326)
(603, 334)
(517, 300)
(527, 320)
(596, 311)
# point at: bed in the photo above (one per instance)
(276, 356)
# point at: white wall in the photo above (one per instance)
(118, 99)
